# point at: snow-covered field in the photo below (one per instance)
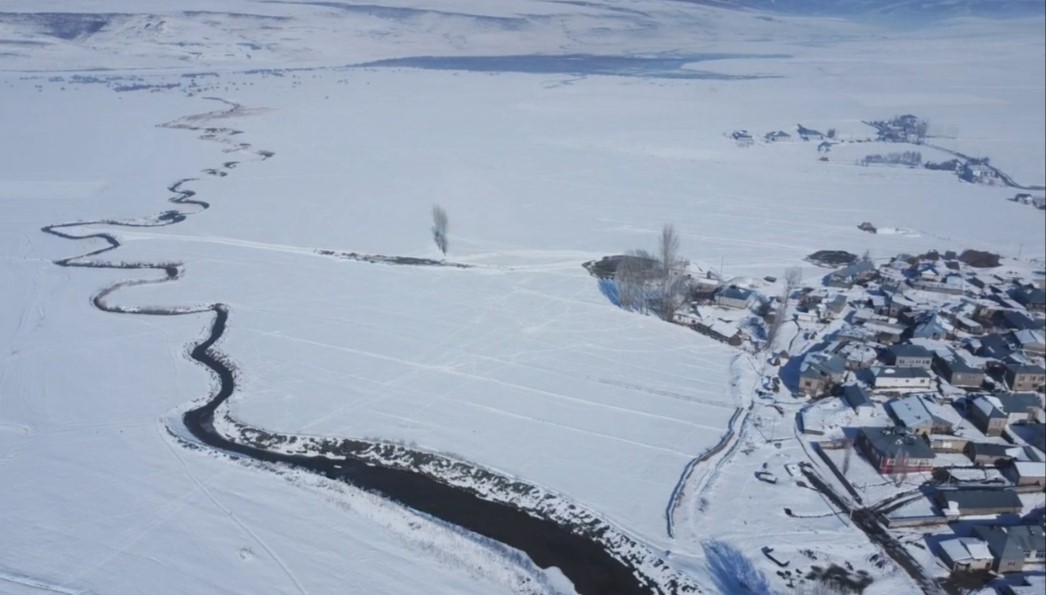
(518, 364)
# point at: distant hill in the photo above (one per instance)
(918, 9)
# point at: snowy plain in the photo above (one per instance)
(518, 364)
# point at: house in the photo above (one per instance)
(1027, 474)
(994, 346)
(878, 303)
(986, 453)
(957, 372)
(948, 443)
(969, 325)
(899, 304)
(951, 285)
(686, 317)
(895, 450)
(1033, 343)
(984, 308)
(885, 332)
(909, 356)
(858, 272)
(988, 416)
(933, 327)
(1035, 435)
(1028, 453)
(891, 378)
(1020, 407)
(966, 554)
(1014, 546)
(863, 315)
(779, 135)
(859, 400)
(1030, 584)
(1025, 377)
(808, 133)
(977, 172)
(1004, 300)
(1016, 320)
(810, 298)
(734, 297)
(1032, 298)
(835, 306)
(979, 501)
(742, 137)
(819, 371)
(856, 352)
(992, 413)
(921, 415)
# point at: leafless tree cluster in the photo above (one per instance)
(439, 228)
(909, 158)
(793, 279)
(634, 272)
(657, 281)
(922, 129)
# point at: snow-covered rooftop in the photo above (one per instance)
(965, 549)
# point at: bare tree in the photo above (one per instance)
(922, 127)
(674, 284)
(439, 228)
(901, 465)
(630, 277)
(793, 279)
(867, 256)
(674, 292)
(668, 249)
(646, 280)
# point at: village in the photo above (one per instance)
(920, 380)
(903, 129)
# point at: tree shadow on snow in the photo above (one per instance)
(732, 571)
(609, 290)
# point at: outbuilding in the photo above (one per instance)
(859, 400)
(734, 297)
(966, 554)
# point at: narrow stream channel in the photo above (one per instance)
(591, 569)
